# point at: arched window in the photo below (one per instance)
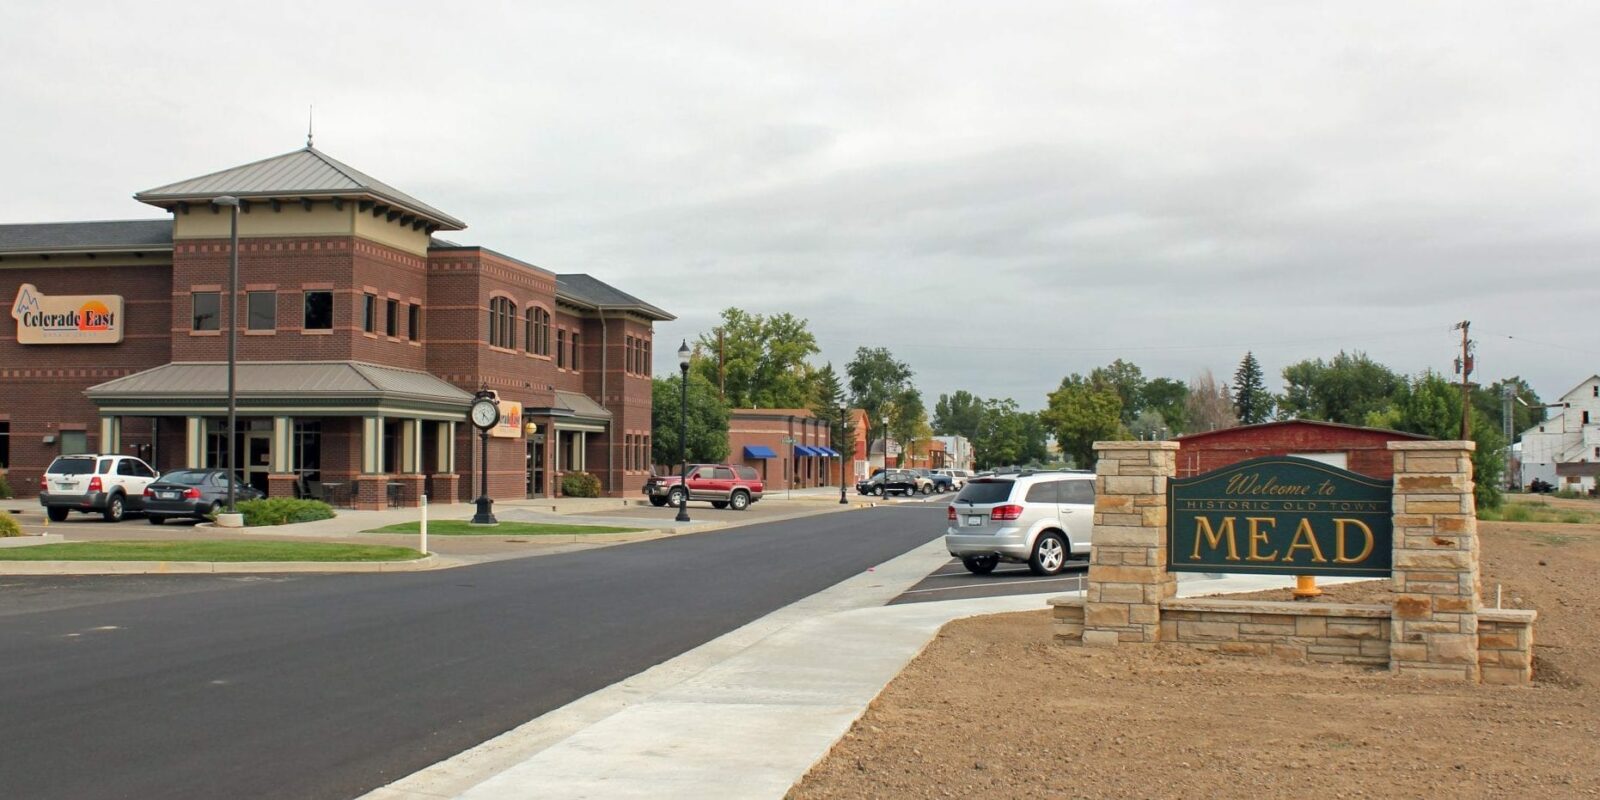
(529, 335)
(542, 331)
(502, 322)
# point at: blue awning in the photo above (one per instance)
(829, 452)
(757, 451)
(805, 450)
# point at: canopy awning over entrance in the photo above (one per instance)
(574, 411)
(294, 388)
(758, 451)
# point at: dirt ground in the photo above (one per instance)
(994, 708)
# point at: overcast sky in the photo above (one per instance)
(1000, 193)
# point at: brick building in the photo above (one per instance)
(1363, 450)
(756, 437)
(361, 338)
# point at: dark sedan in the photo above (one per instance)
(889, 482)
(192, 493)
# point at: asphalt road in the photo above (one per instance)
(330, 686)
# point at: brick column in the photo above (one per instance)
(445, 488)
(1435, 624)
(281, 484)
(1128, 575)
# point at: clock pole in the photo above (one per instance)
(484, 398)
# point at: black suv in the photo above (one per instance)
(888, 482)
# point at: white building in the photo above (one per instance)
(1565, 449)
(958, 452)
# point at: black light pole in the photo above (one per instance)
(233, 337)
(844, 409)
(683, 434)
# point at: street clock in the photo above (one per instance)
(485, 413)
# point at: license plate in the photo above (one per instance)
(973, 522)
(66, 487)
(168, 495)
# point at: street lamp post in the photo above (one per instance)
(683, 434)
(232, 203)
(844, 409)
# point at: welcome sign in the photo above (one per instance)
(67, 319)
(1280, 515)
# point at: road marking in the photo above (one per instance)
(981, 585)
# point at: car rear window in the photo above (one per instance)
(986, 490)
(185, 478)
(747, 473)
(71, 466)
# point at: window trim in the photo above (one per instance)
(305, 310)
(194, 320)
(369, 313)
(391, 318)
(250, 312)
(414, 322)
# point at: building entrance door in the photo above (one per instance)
(535, 466)
(257, 458)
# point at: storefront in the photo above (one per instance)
(361, 338)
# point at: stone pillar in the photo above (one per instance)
(1128, 575)
(111, 434)
(1434, 632)
(194, 442)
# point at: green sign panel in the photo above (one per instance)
(1279, 515)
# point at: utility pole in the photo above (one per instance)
(1508, 391)
(1464, 367)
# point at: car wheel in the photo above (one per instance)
(877, 491)
(719, 504)
(56, 514)
(741, 501)
(154, 519)
(213, 511)
(675, 497)
(980, 565)
(114, 509)
(658, 502)
(1049, 554)
(927, 490)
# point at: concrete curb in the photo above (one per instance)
(428, 562)
(29, 541)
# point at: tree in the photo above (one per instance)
(1007, 436)
(829, 397)
(1342, 390)
(1166, 396)
(1150, 425)
(1208, 405)
(958, 414)
(763, 358)
(707, 421)
(877, 382)
(1431, 405)
(1524, 415)
(908, 422)
(1127, 380)
(1082, 412)
(1252, 403)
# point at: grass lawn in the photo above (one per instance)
(207, 551)
(1516, 510)
(460, 527)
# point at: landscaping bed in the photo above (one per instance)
(995, 708)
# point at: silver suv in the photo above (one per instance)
(1038, 518)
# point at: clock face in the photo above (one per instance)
(485, 414)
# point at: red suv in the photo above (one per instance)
(723, 485)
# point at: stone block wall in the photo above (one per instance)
(1320, 632)
(1128, 575)
(1505, 645)
(1435, 576)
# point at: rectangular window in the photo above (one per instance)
(414, 322)
(574, 351)
(391, 319)
(74, 442)
(627, 355)
(207, 311)
(369, 313)
(319, 311)
(263, 310)
(561, 349)
(629, 455)
(5, 444)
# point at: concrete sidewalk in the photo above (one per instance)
(745, 715)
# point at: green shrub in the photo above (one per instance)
(5, 488)
(283, 511)
(580, 484)
(1568, 494)
(8, 526)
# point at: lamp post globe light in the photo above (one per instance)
(232, 204)
(683, 434)
(844, 410)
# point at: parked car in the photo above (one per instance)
(940, 482)
(193, 493)
(110, 485)
(959, 477)
(890, 481)
(1040, 519)
(723, 485)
